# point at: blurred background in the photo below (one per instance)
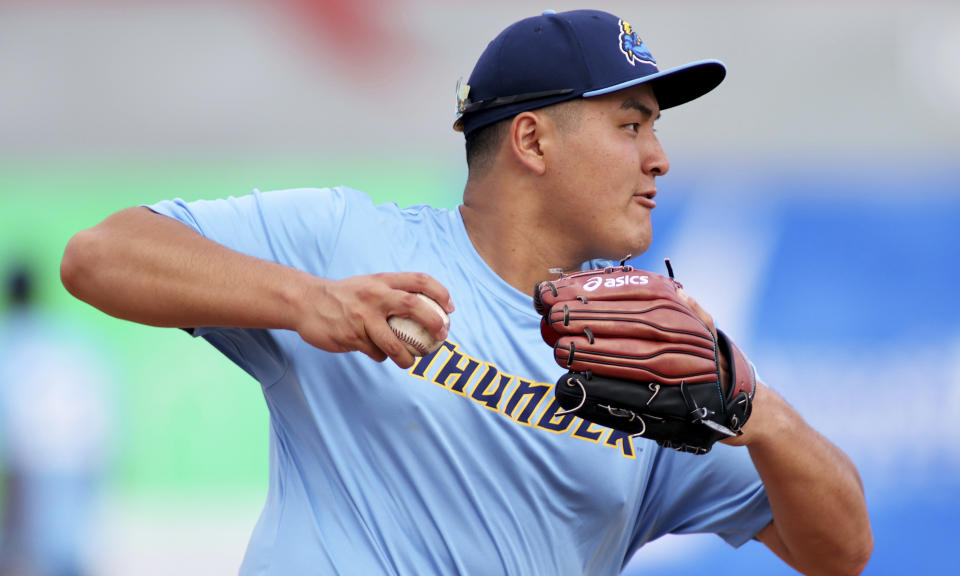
(813, 206)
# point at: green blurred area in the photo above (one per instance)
(188, 420)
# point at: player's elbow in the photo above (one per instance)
(859, 555)
(79, 264)
(838, 556)
(852, 561)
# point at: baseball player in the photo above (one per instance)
(461, 461)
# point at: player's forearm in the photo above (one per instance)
(819, 510)
(147, 268)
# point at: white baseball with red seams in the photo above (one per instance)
(414, 336)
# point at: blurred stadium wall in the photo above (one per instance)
(824, 175)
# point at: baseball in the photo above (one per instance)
(416, 338)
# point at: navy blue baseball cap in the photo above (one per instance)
(556, 57)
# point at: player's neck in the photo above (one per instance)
(508, 236)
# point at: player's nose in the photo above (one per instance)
(655, 161)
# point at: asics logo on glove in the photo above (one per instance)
(633, 280)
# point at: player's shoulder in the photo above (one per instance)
(392, 209)
(311, 195)
(343, 194)
(310, 204)
(353, 207)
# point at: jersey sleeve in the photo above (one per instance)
(719, 493)
(298, 228)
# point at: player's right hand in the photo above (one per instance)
(351, 314)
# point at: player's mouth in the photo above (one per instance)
(645, 199)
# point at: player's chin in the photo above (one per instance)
(631, 244)
(627, 236)
(639, 239)
(640, 247)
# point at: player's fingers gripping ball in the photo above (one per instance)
(641, 361)
(414, 336)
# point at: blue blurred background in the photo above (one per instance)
(813, 206)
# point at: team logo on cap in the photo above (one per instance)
(632, 47)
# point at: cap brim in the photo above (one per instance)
(677, 85)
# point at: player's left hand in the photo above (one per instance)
(644, 358)
(725, 377)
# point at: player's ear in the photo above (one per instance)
(527, 131)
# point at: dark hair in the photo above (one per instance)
(482, 144)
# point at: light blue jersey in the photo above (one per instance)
(459, 465)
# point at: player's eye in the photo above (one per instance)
(633, 126)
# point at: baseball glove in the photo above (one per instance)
(641, 361)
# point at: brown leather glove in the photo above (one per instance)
(641, 361)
